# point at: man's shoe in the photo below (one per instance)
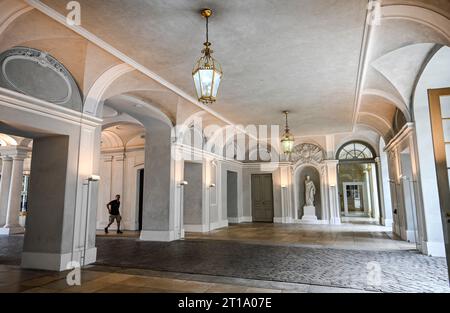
(119, 232)
(106, 230)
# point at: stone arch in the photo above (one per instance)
(6, 140)
(391, 99)
(12, 10)
(417, 14)
(110, 140)
(365, 145)
(95, 94)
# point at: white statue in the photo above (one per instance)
(310, 191)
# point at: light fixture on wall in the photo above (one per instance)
(287, 141)
(94, 178)
(207, 72)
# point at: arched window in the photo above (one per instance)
(355, 151)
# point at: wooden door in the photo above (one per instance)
(262, 198)
(439, 101)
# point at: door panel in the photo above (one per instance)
(262, 198)
(439, 100)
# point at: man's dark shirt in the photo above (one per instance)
(115, 205)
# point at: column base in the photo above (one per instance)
(436, 249)
(56, 261)
(387, 222)
(335, 221)
(238, 220)
(158, 235)
(199, 228)
(13, 230)
(221, 224)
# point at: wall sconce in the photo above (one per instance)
(212, 186)
(184, 183)
(94, 178)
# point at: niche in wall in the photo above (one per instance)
(300, 181)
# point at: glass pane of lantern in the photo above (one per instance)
(206, 77)
(287, 146)
(217, 78)
(197, 83)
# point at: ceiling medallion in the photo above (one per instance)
(207, 72)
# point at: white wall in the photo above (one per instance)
(436, 75)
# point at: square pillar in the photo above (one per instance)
(333, 195)
(60, 225)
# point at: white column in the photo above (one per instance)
(117, 176)
(385, 190)
(5, 183)
(286, 216)
(333, 196)
(12, 225)
(375, 196)
(367, 196)
(104, 191)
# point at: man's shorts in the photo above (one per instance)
(118, 218)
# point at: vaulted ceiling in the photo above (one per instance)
(317, 58)
(296, 55)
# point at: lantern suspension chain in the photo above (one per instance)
(207, 30)
(287, 125)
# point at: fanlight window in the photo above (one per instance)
(355, 151)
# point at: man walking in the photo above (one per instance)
(114, 214)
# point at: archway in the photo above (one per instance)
(358, 181)
(121, 168)
(46, 107)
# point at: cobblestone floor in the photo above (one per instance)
(401, 271)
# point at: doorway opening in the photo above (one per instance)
(358, 182)
(140, 197)
(262, 198)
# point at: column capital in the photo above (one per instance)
(107, 158)
(331, 162)
(14, 152)
(378, 160)
(6, 158)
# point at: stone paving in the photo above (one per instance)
(401, 271)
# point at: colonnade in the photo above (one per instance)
(11, 188)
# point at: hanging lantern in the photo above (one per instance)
(287, 141)
(207, 72)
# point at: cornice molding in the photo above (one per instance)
(23, 102)
(401, 135)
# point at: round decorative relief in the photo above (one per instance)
(37, 74)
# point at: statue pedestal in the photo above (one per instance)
(309, 213)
